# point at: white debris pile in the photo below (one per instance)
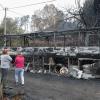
(87, 76)
(76, 73)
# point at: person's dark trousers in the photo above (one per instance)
(4, 74)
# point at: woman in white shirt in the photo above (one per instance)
(5, 65)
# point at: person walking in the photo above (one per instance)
(5, 65)
(19, 68)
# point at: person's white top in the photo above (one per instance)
(5, 61)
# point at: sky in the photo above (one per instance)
(13, 11)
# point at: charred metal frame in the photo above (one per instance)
(47, 35)
(53, 35)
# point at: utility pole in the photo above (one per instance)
(54, 33)
(5, 10)
(5, 40)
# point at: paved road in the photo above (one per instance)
(53, 87)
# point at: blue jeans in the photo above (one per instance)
(4, 74)
(19, 72)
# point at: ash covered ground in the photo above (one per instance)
(54, 87)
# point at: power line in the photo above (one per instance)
(31, 4)
(16, 12)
